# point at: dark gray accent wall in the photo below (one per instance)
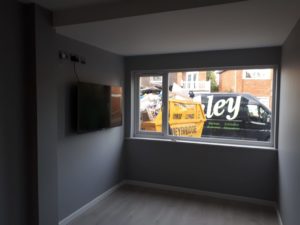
(46, 106)
(247, 172)
(73, 169)
(230, 170)
(13, 185)
(90, 163)
(223, 58)
(289, 130)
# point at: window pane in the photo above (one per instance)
(237, 104)
(150, 97)
(186, 117)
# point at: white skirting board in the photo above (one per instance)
(84, 208)
(279, 217)
(87, 206)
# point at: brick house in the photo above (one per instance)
(189, 80)
(256, 82)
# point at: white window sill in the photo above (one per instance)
(203, 143)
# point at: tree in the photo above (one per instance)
(210, 75)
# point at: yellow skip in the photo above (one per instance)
(186, 119)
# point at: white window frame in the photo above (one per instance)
(164, 135)
(137, 131)
(153, 81)
(192, 74)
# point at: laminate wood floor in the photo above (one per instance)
(131, 205)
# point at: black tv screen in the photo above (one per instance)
(93, 107)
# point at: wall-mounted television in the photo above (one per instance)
(98, 106)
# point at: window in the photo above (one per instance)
(156, 80)
(150, 104)
(258, 114)
(219, 106)
(257, 74)
(265, 101)
(191, 80)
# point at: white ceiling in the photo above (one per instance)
(248, 24)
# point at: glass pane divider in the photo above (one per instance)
(165, 105)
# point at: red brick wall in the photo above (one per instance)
(227, 81)
(232, 81)
(202, 75)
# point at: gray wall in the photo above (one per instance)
(13, 200)
(230, 170)
(289, 151)
(90, 163)
(46, 95)
(73, 169)
(238, 171)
